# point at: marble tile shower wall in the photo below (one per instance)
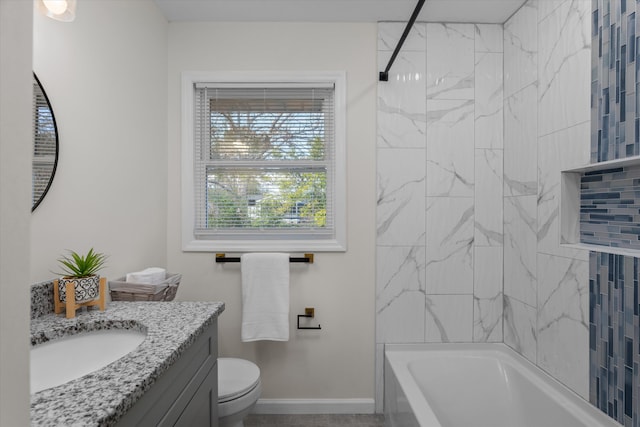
(546, 127)
(474, 127)
(439, 173)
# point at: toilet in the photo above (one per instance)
(239, 388)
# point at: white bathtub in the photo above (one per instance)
(477, 385)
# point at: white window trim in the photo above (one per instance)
(189, 242)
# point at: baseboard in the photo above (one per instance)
(314, 406)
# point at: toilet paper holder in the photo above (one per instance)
(310, 313)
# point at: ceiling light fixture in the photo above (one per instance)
(60, 10)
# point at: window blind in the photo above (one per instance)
(264, 161)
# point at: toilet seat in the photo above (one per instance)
(236, 377)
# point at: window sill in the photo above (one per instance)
(264, 246)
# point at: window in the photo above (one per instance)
(263, 162)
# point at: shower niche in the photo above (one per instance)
(600, 207)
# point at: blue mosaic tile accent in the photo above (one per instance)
(614, 336)
(615, 88)
(610, 207)
(610, 211)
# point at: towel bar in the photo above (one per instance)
(307, 258)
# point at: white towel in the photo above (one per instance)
(265, 296)
(149, 276)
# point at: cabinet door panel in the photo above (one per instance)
(165, 402)
(202, 410)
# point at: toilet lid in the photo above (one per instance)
(236, 377)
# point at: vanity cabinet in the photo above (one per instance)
(187, 393)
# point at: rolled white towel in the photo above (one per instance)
(150, 276)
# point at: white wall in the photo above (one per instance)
(547, 129)
(113, 58)
(15, 182)
(336, 362)
(105, 75)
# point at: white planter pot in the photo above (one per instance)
(86, 288)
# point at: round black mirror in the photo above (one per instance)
(45, 144)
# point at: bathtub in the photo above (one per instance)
(477, 385)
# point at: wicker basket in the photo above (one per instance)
(121, 290)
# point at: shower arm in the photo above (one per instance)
(384, 75)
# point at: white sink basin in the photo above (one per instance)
(62, 360)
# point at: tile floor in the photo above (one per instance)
(324, 420)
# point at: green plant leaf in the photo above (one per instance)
(76, 265)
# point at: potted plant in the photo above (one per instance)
(81, 270)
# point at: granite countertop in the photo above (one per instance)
(102, 397)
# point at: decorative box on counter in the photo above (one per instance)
(121, 290)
